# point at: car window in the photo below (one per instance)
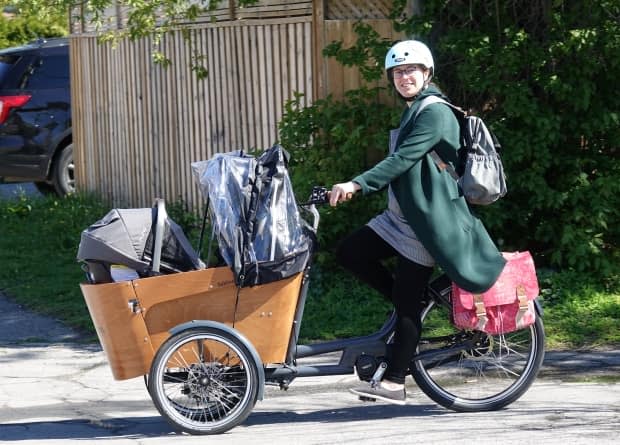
(49, 72)
(6, 63)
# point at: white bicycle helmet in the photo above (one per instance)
(408, 52)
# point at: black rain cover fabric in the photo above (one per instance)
(260, 232)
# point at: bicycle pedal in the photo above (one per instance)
(367, 399)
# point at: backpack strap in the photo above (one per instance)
(443, 165)
(434, 156)
(436, 99)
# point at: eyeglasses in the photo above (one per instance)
(408, 71)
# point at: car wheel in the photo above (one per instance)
(63, 177)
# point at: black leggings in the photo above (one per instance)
(362, 253)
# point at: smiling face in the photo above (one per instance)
(410, 79)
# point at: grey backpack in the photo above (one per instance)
(480, 172)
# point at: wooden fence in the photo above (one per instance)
(137, 130)
(138, 126)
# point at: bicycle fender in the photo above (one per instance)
(539, 309)
(235, 333)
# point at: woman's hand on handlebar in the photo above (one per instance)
(343, 192)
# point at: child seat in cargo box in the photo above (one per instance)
(145, 240)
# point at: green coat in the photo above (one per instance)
(430, 198)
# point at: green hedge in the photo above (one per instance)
(543, 75)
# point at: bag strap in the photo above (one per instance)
(440, 163)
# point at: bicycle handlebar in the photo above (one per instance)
(318, 195)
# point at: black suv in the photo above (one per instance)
(35, 116)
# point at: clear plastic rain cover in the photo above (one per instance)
(260, 232)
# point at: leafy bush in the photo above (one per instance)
(333, 141)
(20, 30)
(543, 77)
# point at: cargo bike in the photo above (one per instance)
(207, 339)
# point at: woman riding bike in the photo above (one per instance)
(427, 221)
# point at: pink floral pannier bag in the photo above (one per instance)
(507, 306)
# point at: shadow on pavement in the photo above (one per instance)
(156, 426)
(131, 427)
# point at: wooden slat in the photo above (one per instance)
(334, 76)
(277, 99)
(300, 38)
(100, 85)
(337, 79)
(245, 73)
(229, 100)
(271, 66)
(195, 130)
(351, 78)
(146, 123)
(285, 83)
(263, 90)
(308, 49)
(211, 97)
(182, 105)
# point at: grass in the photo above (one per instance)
(38, 269)
(581, 312)
(39, 242)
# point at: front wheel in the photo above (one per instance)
(204, 381)
(492, 372)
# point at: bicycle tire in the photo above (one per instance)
(487, 377)
(204, 381)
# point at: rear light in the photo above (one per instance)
(9, 102)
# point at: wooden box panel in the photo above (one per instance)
(122, 332)
(264, 314)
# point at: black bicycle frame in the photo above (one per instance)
(374, 344)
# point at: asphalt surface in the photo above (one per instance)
(57, 389)
(16, 189)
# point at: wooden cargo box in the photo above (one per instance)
(133, 318)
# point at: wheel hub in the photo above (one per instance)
(482, 347)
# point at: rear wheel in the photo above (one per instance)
(63, 175)
(494, 371)
(204, 381)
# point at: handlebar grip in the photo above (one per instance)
(319, 195)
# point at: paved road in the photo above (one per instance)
(13, 190)
(55, 389)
